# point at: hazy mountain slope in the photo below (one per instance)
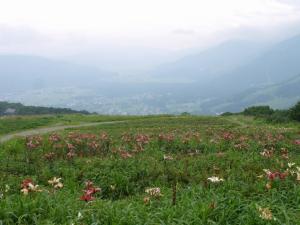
(228, 77)
(210, 63)
(234, 66)
(278, 96)
(281, 62)
(22, 72)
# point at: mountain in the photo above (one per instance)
(23, 72)
(279, 63)
(233, 67)
(239, 76)
(279, 96)
(210, 63)
(228, 77)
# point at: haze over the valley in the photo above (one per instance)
(150, 57)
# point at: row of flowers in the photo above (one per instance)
(89, 144)
(73, 140)
(154, 193)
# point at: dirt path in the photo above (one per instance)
(45, 130)
(237, 120)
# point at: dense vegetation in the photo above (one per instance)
(155, 170)
(258, 111)
(271, 115)
(7, 108)
(295, 112)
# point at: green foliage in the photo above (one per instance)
(258, 111)
(295, 112)
(279, 116)
(227, 114)
(270, 115)
(19, 109)
(185, 114)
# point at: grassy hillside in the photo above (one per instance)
(156, 170)
(7, 108)
(11, 124)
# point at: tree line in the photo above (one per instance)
(7, 108)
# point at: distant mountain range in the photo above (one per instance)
(278, 63)
(209, 64)
(228, 77)
(235, 66)
(23, 72)
(279, 96)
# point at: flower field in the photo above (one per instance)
(156, 170)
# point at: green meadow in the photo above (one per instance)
(150, 170)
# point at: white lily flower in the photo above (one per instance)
(25, 191)
(265, 214)
(56, 183)
(168, 157)
(215, 179)
(290, 165)
(298, 176)
(154, 192)
(7, 188)
(267, 171)
(79, 216)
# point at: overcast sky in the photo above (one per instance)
(72, 25)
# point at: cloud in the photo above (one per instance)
(66, 25)
(19, 39)
(295, 3)
(182, 31)
(15, 35)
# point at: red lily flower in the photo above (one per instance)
(87, 197)
(89, 191)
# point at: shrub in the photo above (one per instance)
(258, 111)
(279, 116)
(227, 114)
(295, 112)
(185, 114)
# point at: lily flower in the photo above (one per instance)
(89, 191)
(7, 188)
(265, 213)
(267, 153)
(168, 157)
(215, 179)
(25, 191)
(273, 175)
(290, 165)
(56, 183)
(154, 192)
(297, 142)
(79, 215)
(87, 198)
(27, 186)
